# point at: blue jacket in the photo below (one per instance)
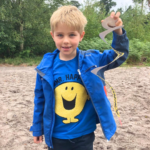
(44, 101)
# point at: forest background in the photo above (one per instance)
(25, 37)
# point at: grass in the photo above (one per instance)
(139, 64)
(34, 61)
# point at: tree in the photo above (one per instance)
(24, 25)
(134, 22)
(108, 4)
(75, 3)
(142, 3)
(120, 10)
(94, 12)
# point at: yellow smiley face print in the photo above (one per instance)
(70, 99)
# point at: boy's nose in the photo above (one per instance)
(66, 40)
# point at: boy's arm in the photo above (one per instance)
(119, 43)
(39, 102)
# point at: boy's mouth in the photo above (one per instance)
(66, 47)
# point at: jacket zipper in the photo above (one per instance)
(90, 97)
(90, 68)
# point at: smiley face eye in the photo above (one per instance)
(72, 88)
(66, 88)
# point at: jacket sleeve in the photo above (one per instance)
(119, 43)
(39, 102)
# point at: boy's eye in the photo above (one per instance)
(59, 35)
(72, 34)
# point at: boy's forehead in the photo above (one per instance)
(64, 28)
(62, 31)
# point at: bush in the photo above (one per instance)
(133, 57)
(95, 43)
(139, 52)
(24, 54)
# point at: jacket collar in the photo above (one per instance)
(48, 59)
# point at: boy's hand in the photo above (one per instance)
(118, 21)
(38, 139)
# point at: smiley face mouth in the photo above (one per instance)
(69, 104)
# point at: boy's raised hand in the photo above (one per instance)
(118, 21)
(38, 140)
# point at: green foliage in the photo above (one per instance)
(24, 28)
(18, 61)
(24, 24)
(136, 23)
(108, 4)
(75, 3)
(94, 13)
(139, 52)
(94, 43)
(25, 54)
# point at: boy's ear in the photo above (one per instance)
(82, 35)
(51, 33)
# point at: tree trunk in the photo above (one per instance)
(148, 3)
(142, 6)
(21, 37)
(21, 26)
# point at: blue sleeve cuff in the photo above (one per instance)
(37, 129)
(39, 133)
(118, 38)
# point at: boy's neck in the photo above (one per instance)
(67, 57)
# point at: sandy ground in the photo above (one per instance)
(132, 86)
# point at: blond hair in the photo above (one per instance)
(69, 15)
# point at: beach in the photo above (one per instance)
(132, 87)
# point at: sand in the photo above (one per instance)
(132, 86)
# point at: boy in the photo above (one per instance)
(69, 99)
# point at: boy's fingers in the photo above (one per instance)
(112, 14)
(41, 138)
(119, 22)
(102, 21)
(117, 15)
(36, 140)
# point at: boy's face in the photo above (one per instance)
(66, 40)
